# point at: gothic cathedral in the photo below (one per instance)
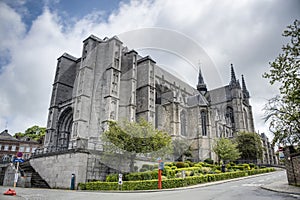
(110, 82)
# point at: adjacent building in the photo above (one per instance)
(269, 156)
(9, 146)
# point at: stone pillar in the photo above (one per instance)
(292, 163)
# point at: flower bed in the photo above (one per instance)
(170, 183)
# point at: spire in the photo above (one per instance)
(244, 88)
(234, 81)
(233, 78)
(201, 86)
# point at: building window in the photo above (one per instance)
(0, 147)
(246, 120)
(203, 123)
(183, 123)
(13, 148)
(229, 114)
(27, 149)
(6, 148)
(22, 149)
(33, 149)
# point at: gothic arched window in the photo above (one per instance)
(203, 122)
(246, 119)
(229, 114)
(183, 121)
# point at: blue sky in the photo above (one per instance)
(178, 34)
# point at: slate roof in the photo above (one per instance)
(4, 135)
(197, 100)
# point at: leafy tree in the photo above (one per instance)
(250, 146)
(226, 150)
(35, 132)
(181, 149)
(283, 111)
(131, 138)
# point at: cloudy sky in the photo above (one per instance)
(177, 33)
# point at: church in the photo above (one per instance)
(110, 82)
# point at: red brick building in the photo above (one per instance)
(9, 146)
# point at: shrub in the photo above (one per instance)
(137, 176)
(147, 166)
(143, 170)
(170, 164)
(252, 166)
(186, 165)
(238, 167)
(198, 165)
(191, 164)
(112, 178)
(246, 166)
(209, 161)
(180, 165)
(188, 169)
(173, 167)
(169, 183)
(205, 170)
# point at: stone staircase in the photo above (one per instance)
(36, 180)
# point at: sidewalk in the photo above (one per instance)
(282, 187)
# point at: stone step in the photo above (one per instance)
(36, 180)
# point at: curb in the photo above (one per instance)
(179, 188)
(280, 190)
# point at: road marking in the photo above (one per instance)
(295, 196)
(252, 185)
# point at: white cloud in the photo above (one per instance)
(246, 33)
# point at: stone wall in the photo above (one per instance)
(292, 163)
(57, 169)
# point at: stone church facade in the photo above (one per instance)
(110, 82)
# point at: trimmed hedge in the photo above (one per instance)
(170, 183)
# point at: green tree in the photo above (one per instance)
(250, 146)
(283, 111)
(181, 149)
(131, 138)
(35, 132)
(226, 150)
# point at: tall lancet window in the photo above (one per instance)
(246, 120)
(183, 123)
(229, 114)
(203, 122)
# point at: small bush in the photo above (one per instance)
(147, 166)
(209, 161)
(112, 178)
(143, 169)
(170, 164)
(205, 170)
(252, 166)
(246, 166)
(180, 165)
(191, 164)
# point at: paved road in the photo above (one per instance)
(246, 189)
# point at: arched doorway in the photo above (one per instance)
(64, 129)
